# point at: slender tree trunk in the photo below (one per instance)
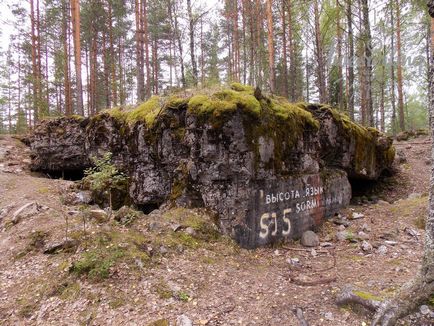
(114, 90)
(180, 47)
(271, 64)
(140, 74)
(75, 14)
(66, 78)
(319, 53)
(399, 69)
(35, 93)
(368, 63)
(191, 31)
(259, 44)
(350, 60)
(146, 41)
(392, 67)
(339, 63)
(244, 22)
(285, 48)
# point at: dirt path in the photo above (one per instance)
(212, 283)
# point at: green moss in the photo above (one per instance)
(242, 88)
(106, 250)
(147, 112)
(116, 113)
(367, 296)
(160, 322)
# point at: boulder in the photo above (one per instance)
(269, 169)
(309, 239)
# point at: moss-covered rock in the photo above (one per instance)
(219, 148)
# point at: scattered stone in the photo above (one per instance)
(29, 209)
(293, 261)
(366, 228)
(326, 244)
(183, 320)
(382, 250)
(66, 245)
(391, 243)
(84, 197)
(414, 196)
(190, 231)
(366, 246)
(176, 227)
(99, 215)
(341, 235)
(163, 250)
(425, 310)
(363, 236)
(328, 316)
(341, 228)
(383, 202)
(313, 253)
(155, 226)
(357, 216)
(309, 239)
(401, 158)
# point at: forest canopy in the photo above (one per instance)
(369, 59)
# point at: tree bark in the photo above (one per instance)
(140, 74)
(319, 53)
(285, 49)
(392, 68)
(399, 69)
(75, 14)
(66, 77)
(350, 60)
(192, 54)
(421, 288)
(271, 47)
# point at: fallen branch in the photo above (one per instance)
(314, 282)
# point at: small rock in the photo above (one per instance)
(357, 216)
(366, 246)
(84, 197)
(183, 320)
(391, 243)
(341, 228)
(366, 228)
(176, 227)
(326, 244)
(383, 202)
(363, 236)
(414, 195)
(99, 215)
(412, 232)
(163, 250)
(309, 239)
(341, 235)
(382, 250)
(190, 231)
(401, 158)
(155, 226)
(126, 215)
(313, 253)
(425, 310)
(328, 316)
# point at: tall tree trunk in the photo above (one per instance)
(114, 90)
(75, 14)
(392, 67)
(319, 53)
(399, 68)
(35, 75)
(179, 41)
(350, 81)
(259, 44)
(271, 64)
(146, 41)
(191, 31)
(140, 74)
(368, 63)
(339, 63)
(66, 78)
(284, 50)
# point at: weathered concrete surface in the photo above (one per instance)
(228, 160)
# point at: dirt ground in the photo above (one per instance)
(209, 282)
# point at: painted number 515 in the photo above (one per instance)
(270, 219)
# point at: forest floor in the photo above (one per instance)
(156, 269)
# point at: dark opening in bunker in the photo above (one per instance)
(149, 207)
(370, 191)
(71, 175)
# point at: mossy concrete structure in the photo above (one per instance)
(269, 169)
